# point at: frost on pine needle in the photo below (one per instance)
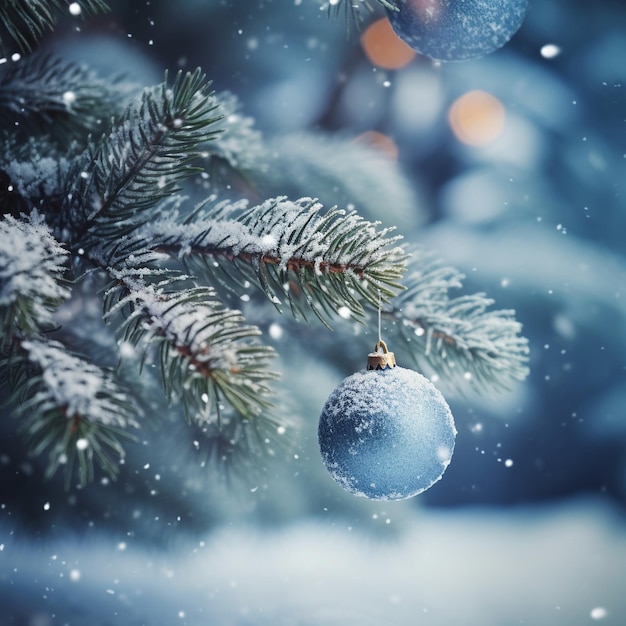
(292, 250)
(65, 97)
(238, 143)
(174, 317)
(22, 24)
(118, 180)
(205, 351)
(82, 390)
(355, 11)
(37, 178)
(70, 407)
(462, 338)
(31, 271)
(343, 171)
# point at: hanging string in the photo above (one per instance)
(380, 335)
(381, 358)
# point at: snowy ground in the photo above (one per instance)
(540, 566)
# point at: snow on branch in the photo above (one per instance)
(355, 7)
(68, 406)
(32, 174)
(24, 22)
(80, 389)
(324, 261)
(238, 143)
(461, 338)
(32, 264)
(206, 353)
(344, 171)
(43, 92)
(143, 159)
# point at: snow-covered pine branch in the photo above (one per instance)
(32, 265)
(322, 261)
(206, 353)
(32, 174)
(24, 22)
(142, 160)
(343, 171)
(55, 97)
(236, 143)
(68, 406)
(461, 338)
(354, 8)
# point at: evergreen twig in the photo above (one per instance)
(24, 22)
(32, 267)
(144, 159)
(294, 252)
(44, 94)
(355, 8)
(205, 351)
(461, 338)
(67, 406)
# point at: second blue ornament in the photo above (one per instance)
(456, 30)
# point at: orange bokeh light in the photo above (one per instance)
(384, 48)
(378, 141)
(477, 118)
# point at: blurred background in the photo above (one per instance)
(515, 166)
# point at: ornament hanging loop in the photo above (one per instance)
(381, 358)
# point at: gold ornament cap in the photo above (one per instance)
(381, 359)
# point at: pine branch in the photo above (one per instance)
(47, 95)
(238, 145)
(460, 338)
(24, 22)
(32, 265)
(236, 447)
(324, 262)
(141, 161)
(354, 8)
(351, 9)
(67, 406)
(205, 352)
(340, 171)
(33, 174)
(389, 4)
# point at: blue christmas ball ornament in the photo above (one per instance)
(455, 30)
(386, 433)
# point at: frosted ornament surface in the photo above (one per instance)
(386, 434)
(456, 30)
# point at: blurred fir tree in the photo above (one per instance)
(92, 176)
